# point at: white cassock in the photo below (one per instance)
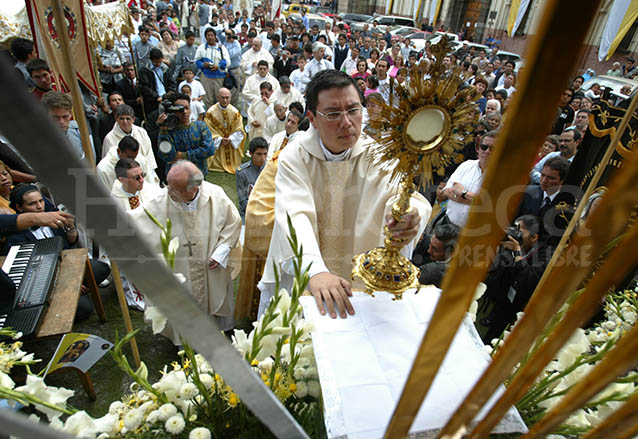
(134, 298)
(208, 228)
(250, 57)
(114, 136)
(251, 92)
(106, 169)
(259, 112)
(277, 141)
(273, 126)
(286, 99)
(337, 206)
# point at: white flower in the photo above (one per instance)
(80, 424)
(116, 407)
(53, 395)
(303, 362)
(311, 372)
(629, 316)
(609, 325)
(285, 353)
(171, 383)
(142, 371)
(108, 424)
(472, 311)
(206, 380)
(188, 391)
(175, 424)
(242, 342)
(6, 381)
(302, 389)
(578, 419)
(180, 277)
(166, 411)
(157, 319)
(307, 327)
(284, 301)
(299, 373)
(266, 365)
(202, 364)
(199, 433)
(577, 345)
(307, 352)
(173, 246)
(133, 419)
(314, 389)
(153, 417)
(17, 335)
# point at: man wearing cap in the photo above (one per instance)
(287, 94)
(317, 63)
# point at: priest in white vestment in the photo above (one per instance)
(276, 122)
(208, 225)
(251, 91)
(287, 94)
(337, 199)
(250, 59)
(124, 118)
(280, 140)
(128, 147)
(130, 191)
(258, 112)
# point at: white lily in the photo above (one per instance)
(173, 246)
(158, 321)
(57, 396)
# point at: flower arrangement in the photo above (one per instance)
(190, 400)
(574, 361)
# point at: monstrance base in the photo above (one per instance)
(383, 269)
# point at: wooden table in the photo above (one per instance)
(59, 316)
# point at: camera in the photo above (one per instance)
(171, 110)
(515, 233)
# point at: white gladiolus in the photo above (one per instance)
(35, 386)
(242, 342)
(578, 419)
(284, 301)
(166, 411)
(173, 246)
(158, 321)
(314, 389)
(174, 424)
(577, 345)
(80, 424)
(199, 433)
(6, 381)
(180, 277)
(302, 389)
(142, 371)
(188, 391)
(266, 365)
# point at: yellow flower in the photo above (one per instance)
(232, 399)
(292, 387)
(254, 363)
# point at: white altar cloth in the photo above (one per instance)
(364, 360)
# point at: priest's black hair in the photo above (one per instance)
(326, 80)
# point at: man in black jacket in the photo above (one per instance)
(284, 65)
(155, 81)
(517, 269)
(129, 89)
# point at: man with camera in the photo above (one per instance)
(155, 81)
(517, 268)
(212, 58)
(181, 139)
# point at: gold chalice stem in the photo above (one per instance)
(385, 268)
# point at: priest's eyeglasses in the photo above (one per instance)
(139, 177)
(337, 115)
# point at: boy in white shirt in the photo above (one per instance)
(197, 107)
(197, 89)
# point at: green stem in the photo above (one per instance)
(26, 399)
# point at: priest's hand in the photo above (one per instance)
(212, 264)
(404, 230)
(331, 289)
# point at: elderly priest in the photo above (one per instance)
(208, 225)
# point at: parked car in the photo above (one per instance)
(402, 31)
(386, 21)
(419, 38)
(510, 56)
(294, 9)
(615, 83)
(313, 19)
(354, 18)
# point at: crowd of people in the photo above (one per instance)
(174, 109)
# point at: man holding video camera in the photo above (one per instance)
(180, 139)
(517, 268)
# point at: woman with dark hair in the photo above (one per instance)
(374, 57)
(168, 46)
(5, 189)
(362, 70)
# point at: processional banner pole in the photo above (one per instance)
(525, 127)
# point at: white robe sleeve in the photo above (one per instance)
(236, 138)
(221, 254)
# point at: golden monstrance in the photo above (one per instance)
(432, 121)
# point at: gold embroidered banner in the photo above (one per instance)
(41, 16)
